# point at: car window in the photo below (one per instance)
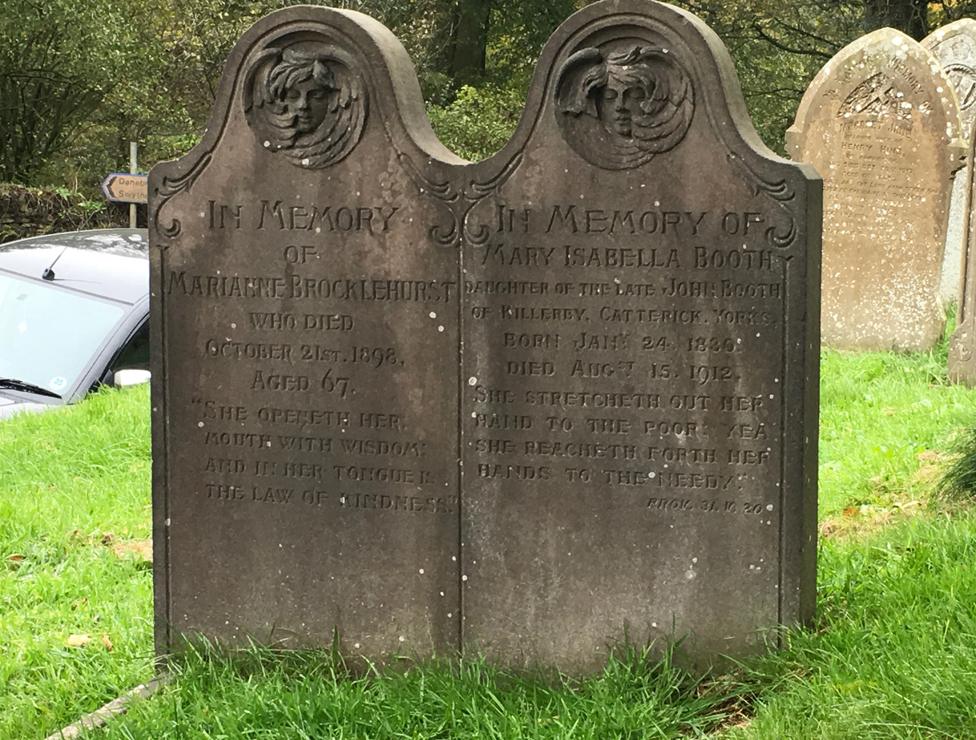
(135, 353)
(48, 335)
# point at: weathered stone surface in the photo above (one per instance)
(954, 46)
(962, 344)
(305, 440)
(591, 360)
(881, 124)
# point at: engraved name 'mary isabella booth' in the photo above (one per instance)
(530, 407)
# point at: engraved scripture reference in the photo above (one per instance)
(619, 109)
(307, 103)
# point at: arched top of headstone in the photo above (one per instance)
(887, 77)
(668, 54)
(621, 82)
(881, 123)
(361, 343)
(954, 46)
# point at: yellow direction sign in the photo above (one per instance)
(121, 187)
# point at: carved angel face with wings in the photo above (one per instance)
(308, 104)
(641, 97)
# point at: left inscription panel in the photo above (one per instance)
(305, 385)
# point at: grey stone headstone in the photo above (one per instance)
(881, 124)
(530, 407)
(954, 46)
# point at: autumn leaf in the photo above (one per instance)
(77, 641)
(139, 549)
(107, 643)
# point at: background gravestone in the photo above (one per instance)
(962, 344)
(954, 46)
(880, 122)
(528, 407)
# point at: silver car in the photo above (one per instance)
(74, 314)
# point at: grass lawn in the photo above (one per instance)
(893, 652)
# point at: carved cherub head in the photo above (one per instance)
(307, 103)
(641, 97)
(301, 86)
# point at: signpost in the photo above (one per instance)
(122, 187)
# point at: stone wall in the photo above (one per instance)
(30, 211)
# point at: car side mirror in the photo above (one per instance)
(126, 378)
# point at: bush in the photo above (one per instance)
(959, 479)
(30, 211)
(479, 122)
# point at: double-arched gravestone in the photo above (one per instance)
(530, 407)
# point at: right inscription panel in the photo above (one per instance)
(640, 347)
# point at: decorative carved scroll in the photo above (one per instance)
(963, 79)
(779, 192)
(460, 202)
(173, 186)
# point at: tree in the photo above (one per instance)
(56, 69)
(469, 45)
(910, 16)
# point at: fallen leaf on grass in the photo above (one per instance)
(906, 505)
(15, 558)
(139, 549)
(928, 475)
(852, 511)
(107, 643)
(77, 641)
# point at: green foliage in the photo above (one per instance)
(882, 413)
(311, 695)
(74, 484)
(58, 63)
(892, 654)
(959, 480)
(26, 211)
(79, 81)
(479, 122)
